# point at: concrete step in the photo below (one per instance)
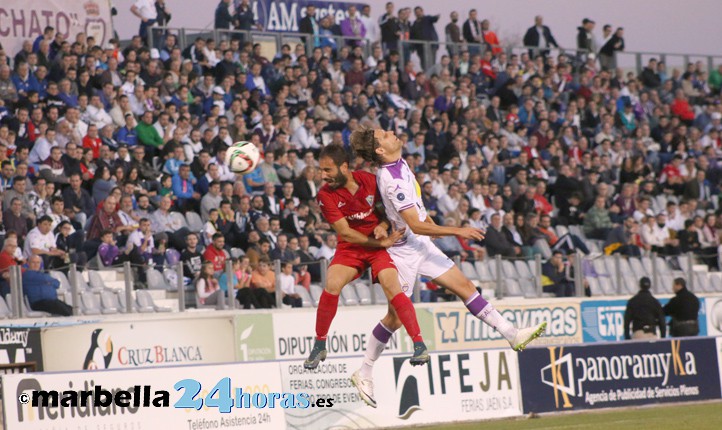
(168, 303)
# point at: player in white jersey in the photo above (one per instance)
(416, 254)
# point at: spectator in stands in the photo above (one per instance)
(147, 12)
(328, 249)
(539, 36)
(41, 290)
(216, 254)
(288, 286)
(263, 281)
(644, 314)
(597, 223)
(683, 308)
(14, 220)
(208, 291)
(497, 241)
(41, 241)
(558, 281)
(223, 19)
(624, 239)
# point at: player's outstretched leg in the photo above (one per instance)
(363, 377)
(455, 281)
(389, 280)
(338, 277)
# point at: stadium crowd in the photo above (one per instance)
(102, 147)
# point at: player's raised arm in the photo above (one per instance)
(411, 217)
(354, 236)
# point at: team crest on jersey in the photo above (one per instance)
(370, 199)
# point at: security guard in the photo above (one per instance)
(644, 313)
(684, 310)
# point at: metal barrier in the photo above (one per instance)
(429, 51)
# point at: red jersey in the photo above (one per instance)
(217, 257)
(358, 209)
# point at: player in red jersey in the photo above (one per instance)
(348, 202)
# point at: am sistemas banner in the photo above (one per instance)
(604, 375)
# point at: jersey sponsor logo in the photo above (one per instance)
(370, 199)
(341, 204)
(360, 215)
(400, 197)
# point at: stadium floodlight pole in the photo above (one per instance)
(499, 278)
(181, 287)
(128, 276)
(229, 285)
(538, 275)
(74, 288)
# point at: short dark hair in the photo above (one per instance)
(680, 281)
(337, 153)
(45, 218)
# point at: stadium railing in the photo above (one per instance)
(630, 60)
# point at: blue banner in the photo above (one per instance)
(286, 15)
(604, 375)
(603, 320)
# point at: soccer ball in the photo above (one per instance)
(242, 157)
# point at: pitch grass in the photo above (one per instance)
(703, 416)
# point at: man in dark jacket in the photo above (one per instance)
(608, 52)
(453, 35)
(644, 313)
(585, 39)
(684, 310)
(423, 29)
(41, 290)
(496, 241)
(555, 270)
(649, 77)
(389, 24)
(471, 30)
(539, 36)
(223, 18)
(309, 25)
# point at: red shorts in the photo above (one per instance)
(361, 257)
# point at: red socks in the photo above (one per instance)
(407, 314)
(327, 306)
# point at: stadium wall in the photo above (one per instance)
(659, 26)
(455, 386)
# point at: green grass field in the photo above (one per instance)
(678, 417)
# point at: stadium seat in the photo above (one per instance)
(90, 304)
(637, 267)
(600, 267)
(561, 230)
(237, 252)
(468, 270)
(508, 270)
(156, 281)
(522, 268)
(512, 288)
(146, 303)
(316, 291)
(630, 285)
(716, 282)
(380, 296)
(27, 312)
(594, 287)
(528, 289)
(60, 276)
(482, 269)
(123, 302)
(194, 221)
(607, 286)
(95, 281)
(363, 292)
(109, 302)
(702, 282)
(177, 216)
(4, 309)
(349, 297)
(305, 296)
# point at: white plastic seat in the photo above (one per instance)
(109, 302)
(606, 286)
(194, 221)
(528, 288)
(146, 303)
(155, 280)
(468, 270)
(4, 309)
(600, 267)
(630, 285)
(177, 216)
(522, 268)
(380, 295)
(562, 230)
(124, 303)
(60, 276)
(95, 281)
(637, 267)
(349, 297)
(90, 303)
(316, 291)
(363, 292)
(482, 269)
(512, 288)
(594, 287)
(305, 296)
(508, 270)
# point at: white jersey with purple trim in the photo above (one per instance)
(399, 191)
(413, 255)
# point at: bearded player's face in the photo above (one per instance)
(331, 174)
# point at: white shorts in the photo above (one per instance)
(418, 256)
